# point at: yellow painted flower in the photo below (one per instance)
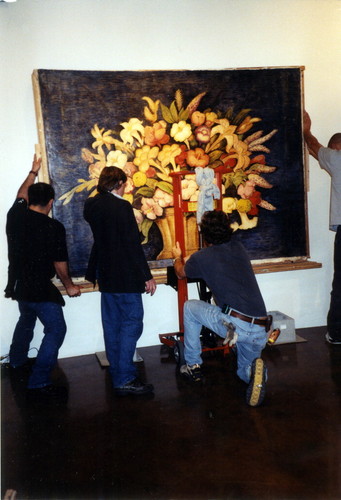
(246, 124)
(130, 169)
(150, 111)
(167, 156)
(197, 158)
(223, 127)
(181, 131)
(211, 118)
(172, 137)
(102, 139)
(95, 169)
(145, 157)
(229, 204)
(133, 129)
(198, 118)
(156, 135)
(116, 159)
(225, 131)
(139, 179)
(241, 153)
(244, 206)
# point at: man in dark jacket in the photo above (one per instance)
(119, 265)
(36, 252)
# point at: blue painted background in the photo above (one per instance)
(73, 101)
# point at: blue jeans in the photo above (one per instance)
(122, 319)
(52, 318)
(251, 338)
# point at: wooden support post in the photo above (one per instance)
(180, 237)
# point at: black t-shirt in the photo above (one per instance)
(228, 273)
(35, 242)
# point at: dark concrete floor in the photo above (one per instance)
(187, 442)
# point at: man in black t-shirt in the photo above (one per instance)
(36, 252)
(226, 269)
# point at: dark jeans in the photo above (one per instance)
(122, 319)
(334, 314)
(52, 318)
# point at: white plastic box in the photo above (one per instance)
(286, 325)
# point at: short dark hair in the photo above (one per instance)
(40, 194)
(215, 227)
(335, 141)
(111, 178)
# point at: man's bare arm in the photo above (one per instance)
(311, 141)
(23, 190)
(179, 264)
(62, 270)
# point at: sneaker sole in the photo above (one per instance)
(256, 390)
(191, 379)
(125, 391)
(133, 393)
(330, 341)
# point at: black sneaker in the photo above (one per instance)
(48, 394)
(134, 388)
(332, 341)
(192, 372)
(255, 392)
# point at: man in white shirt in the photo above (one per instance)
(329, 159)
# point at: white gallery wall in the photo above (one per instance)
(176, 34)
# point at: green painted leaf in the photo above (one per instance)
(215, 164)
(238, 177)
(215, 155)
(145, 226)
(151, 182)
(166, 114)
(146, 192)
(174, 112)
(163, 177)
(183, 114)
(240, 116)
(165, 186)
(228, 179)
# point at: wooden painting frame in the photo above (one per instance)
(74, 109)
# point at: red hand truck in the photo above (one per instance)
(210, 341)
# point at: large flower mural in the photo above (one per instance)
(179, 137)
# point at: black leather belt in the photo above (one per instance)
(249, 319)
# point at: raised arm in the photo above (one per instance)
(311, 141)
(23, 190)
